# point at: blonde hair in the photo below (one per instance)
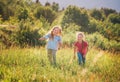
(51, 31)
(80, 33)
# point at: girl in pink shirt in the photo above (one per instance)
(80, 47)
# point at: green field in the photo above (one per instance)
(23, 22)
(32, 65)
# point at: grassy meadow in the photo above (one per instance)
(32, 65)
(23, 22)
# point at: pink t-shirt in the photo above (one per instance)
(81, 47)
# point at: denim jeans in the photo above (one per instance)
(81, 59)
(52, 56)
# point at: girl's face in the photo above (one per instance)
(79, 37)
(56, 31)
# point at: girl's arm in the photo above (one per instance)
(42, 38)
(45, 37)
(85, 50)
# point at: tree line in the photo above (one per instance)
(28, 20)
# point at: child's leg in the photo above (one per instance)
(83, 60)
(49, 52)
(54, 56)
(79, 58)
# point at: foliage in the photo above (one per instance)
(92, 27)
(55, 6)
(32, 65)
(114, 18)
(107, 11)
(75, 15)
(23, 14)
(70, 34)
(23, 35)
(5, 11)
(109, 30)
(97, 14)
(22, 22)
(45, 12)
(98, 40)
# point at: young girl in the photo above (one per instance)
(80, 47)
(54, 43)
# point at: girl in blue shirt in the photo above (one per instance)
(53, 44)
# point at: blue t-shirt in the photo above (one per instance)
(53, 43)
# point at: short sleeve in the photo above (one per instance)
(46, 36)
(75, 43)
(85, 48)
(85, 44)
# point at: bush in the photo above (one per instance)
(100, 41)
(25, 34)
(114, 18)
(75, 15)
(28, 35)
(45, 12)
(23, 14)
(92, 27)
(70, 34)
(107, 11)
(97, 14)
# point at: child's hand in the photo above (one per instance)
(42, 38)
(84, 56)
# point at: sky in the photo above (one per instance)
(88, 4)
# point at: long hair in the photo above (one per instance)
(51, 31)
(80, 33)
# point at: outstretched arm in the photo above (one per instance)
(42, 38)
(45, 37)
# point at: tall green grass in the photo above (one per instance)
(32, 65)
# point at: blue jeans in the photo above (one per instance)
(81, 59)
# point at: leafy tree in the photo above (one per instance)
(5, 9)
(109, 30)
(92, 27)
(114, 18)
(23, 14)
(27, 36)
(2, 9)
(75, 15)
(55, 6)
(11, 7)
(47, 4)
(112, 31)
(45, 12)
(97, 14)
(37, 1)
(108, 11)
